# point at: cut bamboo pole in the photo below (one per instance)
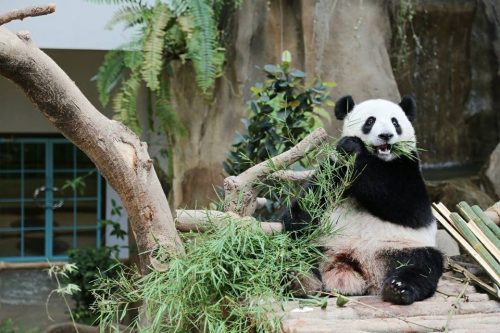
(470, 215)
(479, 212)
(495, 252)
(442, 215)
(474, 242)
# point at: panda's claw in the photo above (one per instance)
(397, 292)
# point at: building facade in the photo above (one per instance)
(52, 197)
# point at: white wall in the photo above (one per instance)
(76, 24)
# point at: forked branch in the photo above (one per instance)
(240, 194)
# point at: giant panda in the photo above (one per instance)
(385, 239)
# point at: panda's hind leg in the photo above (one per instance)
(412, 274)
(342, 273)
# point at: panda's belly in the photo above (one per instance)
(365, 240)
(356, 228)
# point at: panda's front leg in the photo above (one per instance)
(412, 274)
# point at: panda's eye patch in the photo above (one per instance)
(367, 127)
(396, 126)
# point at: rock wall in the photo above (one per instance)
(343, 41)
(455, 79)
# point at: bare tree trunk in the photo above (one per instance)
(118, 153)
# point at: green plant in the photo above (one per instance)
(90, 263)
(403, 14)
(183, 30)
(8, 326)
(234, 277)
(59, 273)
(282, 112)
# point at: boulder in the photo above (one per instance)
(491, 174)
(451, 192)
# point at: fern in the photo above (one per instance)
(125, 103)
(130, 16)
(202, 46)
(109, 74)
(153, 46)
(168, 119)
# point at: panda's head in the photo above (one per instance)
(378, 123)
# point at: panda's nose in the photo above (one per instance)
(386, 136)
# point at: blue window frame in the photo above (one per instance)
(40, 218)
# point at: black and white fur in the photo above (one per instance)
(385, 233)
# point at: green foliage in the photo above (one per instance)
(282, 112)
(232, 279)
(89, 263)
(403, 14)
(166, 31)
(8, 326)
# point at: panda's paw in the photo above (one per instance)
(397, 291)
(351, 145)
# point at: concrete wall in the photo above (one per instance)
(19, 115)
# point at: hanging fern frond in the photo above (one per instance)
(178, 7)
(167, 117)
(129, 16)
(125, 103)
(109, 74)
(154, 45)
(203, 45)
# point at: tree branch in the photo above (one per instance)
(21, 14)
(197, 220)
(240, 196)
(118, 153)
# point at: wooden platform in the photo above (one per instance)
(474, 312)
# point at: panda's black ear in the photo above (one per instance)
(343, 106)
(409, 107)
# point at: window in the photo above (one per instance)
(40, 217)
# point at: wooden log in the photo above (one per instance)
(29, 265)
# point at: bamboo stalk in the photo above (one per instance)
(470, 215)
(441, 213)
(461, 225)
(494, 251)
(479, 212)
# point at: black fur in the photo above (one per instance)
(412, 274)
(343, 106)
(368, 125)
(393, 191)
(409, 107)
(397, 126)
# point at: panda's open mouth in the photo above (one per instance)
(384, 149)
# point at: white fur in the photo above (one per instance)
(383, 111)
(365, 237)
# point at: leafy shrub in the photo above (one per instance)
(91, 263)
(282, 112)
